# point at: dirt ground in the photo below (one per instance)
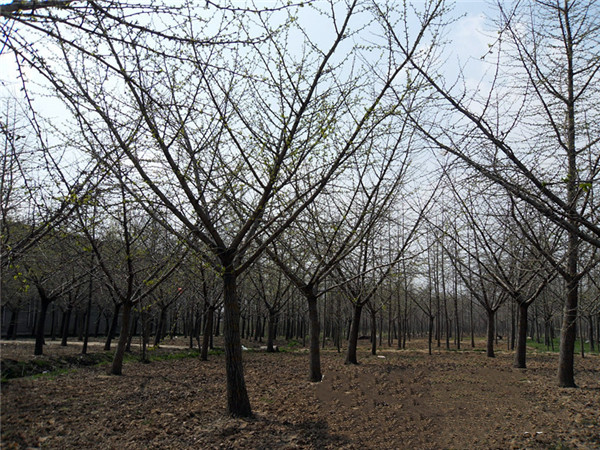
(399, 399)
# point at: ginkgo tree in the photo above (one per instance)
(531, 126)
(228, 123)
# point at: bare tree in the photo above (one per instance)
(230, 137)
(535, 130)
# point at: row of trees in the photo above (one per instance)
(271, 308)
(217, 141)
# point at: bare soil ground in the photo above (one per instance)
(399, 399)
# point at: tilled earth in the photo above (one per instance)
(398, 399)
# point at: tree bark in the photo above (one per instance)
(66, 320)
(521, 353)
(113, 327)
(208, 329)
(568, 336)
(353, 337)
(117, 364)
(11, 332)
(271, 332)
(88, 313)
(373, 333)
(491, 331)
(238, 403)
(160, 327)
(132, 332)
(315, 374)
(41, 325)
(590, 320)
(430, 334)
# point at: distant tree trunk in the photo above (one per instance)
(581, 337)
(391, 325)
(113, 327)
(132, 332)
(65, 322)
(257, 328)
(458, 336)
(353, 338)
(271, 331)
(88, 313)
(315, 374)
(590, 320)
(373, 332)
(117, 364)
(161, 326)
(86, 330)
(197, 325)
(471, 324)
(208, 329)
(97, 324)
(41, 323)
(430, 333)
(238, 403)
(521, 353)
(53, 324)
(79, 320)
(145, 319)
(598, 332)
(33, 323)
(400, 319)
(218, 326)
(491, 332)
(381, 329)
(11, 332)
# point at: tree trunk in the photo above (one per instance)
(271, 332)
(471, 325)
(66, 320)
(11, 332)
(513, 327)
(79, 319)
(113, 327)
(160, 327)
(491, 331)
(208, 329)
(88, 314)
(217, 328)
(132, 332)
(353, 337)
(257, 327)
(238, 403)
(53, 324)
(521, 353)
(581, 339)
(145, 322)
(590, 320)
(117, 364)
(315, 374)
(373, 333)
(430, 334)
(97, 324)
(568, 336)
(41, 325)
